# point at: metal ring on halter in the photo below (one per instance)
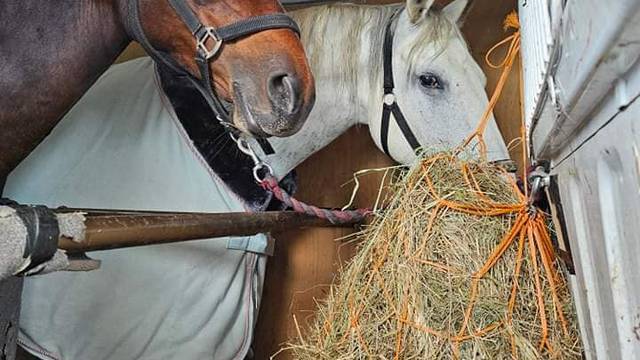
(389, 98)
(260, 166)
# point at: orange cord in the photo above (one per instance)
(512, 53)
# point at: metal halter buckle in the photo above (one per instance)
(208, 34)
(268, 171)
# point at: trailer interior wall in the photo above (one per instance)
(583, 79)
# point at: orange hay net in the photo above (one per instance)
(529, 227)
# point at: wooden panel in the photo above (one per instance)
(305, 262)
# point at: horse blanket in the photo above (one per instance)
(122, 147)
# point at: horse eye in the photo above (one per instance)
(430, 81)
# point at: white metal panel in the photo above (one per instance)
(599, 41)
(599, 177)
(600, 190)
(589, 313)
(537, 43)
(599, 182)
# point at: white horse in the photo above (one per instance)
(122, 146)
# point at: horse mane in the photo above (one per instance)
(346, 23)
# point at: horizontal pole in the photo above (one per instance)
(107, 230)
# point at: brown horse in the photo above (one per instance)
(51, 52)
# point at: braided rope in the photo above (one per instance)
(336, 217)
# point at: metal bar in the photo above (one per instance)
(115, 231)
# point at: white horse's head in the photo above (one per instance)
(438, 85)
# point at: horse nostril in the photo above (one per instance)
(284, 92)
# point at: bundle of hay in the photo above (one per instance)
(447, 272)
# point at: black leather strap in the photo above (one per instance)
(43, 232)
(387, 56)
(394, 109)
(384, 128)
(205, 88)
(404, 127)
(266, 147)
(256, 24)
(184, 11)
(138, 34)
(390, 105)
(238, 29)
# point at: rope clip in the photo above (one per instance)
(259, 165)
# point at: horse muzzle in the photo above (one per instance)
(279, 110)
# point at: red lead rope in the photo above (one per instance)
(270, 183)
(336, 217)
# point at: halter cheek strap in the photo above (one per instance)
(390, 105)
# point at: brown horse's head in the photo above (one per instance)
(265, 74)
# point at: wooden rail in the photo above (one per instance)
(120, 229)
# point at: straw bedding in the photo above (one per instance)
(407, 292)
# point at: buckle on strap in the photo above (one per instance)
(204, 36)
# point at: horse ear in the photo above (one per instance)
(417, 9)
(455, 11)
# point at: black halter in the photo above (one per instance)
(209, 41)
(390, 105)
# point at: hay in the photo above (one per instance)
(406, 292)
